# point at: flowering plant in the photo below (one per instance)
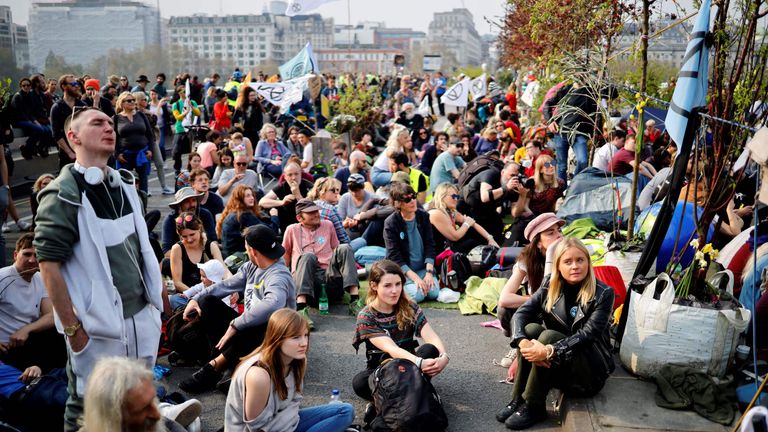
(693, 284)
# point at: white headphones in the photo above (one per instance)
(95, 175)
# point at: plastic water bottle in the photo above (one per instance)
(322, 305)
(335, 396)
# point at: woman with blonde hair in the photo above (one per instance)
(451, 229)
(540, 197)
(242, 211)
(326, 194)
(266, 387)
(388, 326)
(380, 174)
(562, 336)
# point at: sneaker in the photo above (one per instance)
(168, 191)
(356, 306)
(203, 380)
(23, 225)
(149, 194)
(526, 416)
(196, 426)
(6, 228)
(503, 414)
(305, 314)
(183, 413)
(509, 358)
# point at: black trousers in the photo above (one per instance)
(45, 349)
(215, 318)
(360, 381)
(182, 144)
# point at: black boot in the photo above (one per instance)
(504, 413)
(526, 416)
(201, 381)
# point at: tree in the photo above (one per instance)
(8, 66)
(56, 66)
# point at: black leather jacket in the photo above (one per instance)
(589, 331)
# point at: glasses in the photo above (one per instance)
(241, 163)
(455, 196)
(79, 109)
(459, 145)
(181, 220)
(423, 133)
(73, 84)
(130, 101)
(355, 187)
(338, 155)
(407, 198)
(548, 164)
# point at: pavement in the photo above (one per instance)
(470, 387)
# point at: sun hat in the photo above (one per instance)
(182, 195)
(540, 224)
(214, 270)
(142, 78)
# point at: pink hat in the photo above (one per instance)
(540, 224)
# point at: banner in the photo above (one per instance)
(272, 92)
(478, 87)
(457, 95)
(302, 7)
(423, 107)
(691, 88)
(303, 63)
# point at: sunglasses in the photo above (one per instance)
(130, 101)
(339, 154)
(79, 109)
(181, 220)
(423, 133)
(355, 187)
(459, 145)
(548, 164)
(407, 198)
(241, 163)
(73, 84)
(455, 196)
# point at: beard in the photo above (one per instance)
(409, 115)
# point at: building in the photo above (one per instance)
(82, 30)
(668, 47)
(453, 35)
(362, 35)
(14, 43)
(357, 60)
(249, 40)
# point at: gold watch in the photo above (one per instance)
(71, 330)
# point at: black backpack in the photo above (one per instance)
(454, 272)
(405, 400)
(476, 166)
(481, 258)
(187, 338)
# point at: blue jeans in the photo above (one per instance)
(35, 131)
(177, 301)
(326, 418)
(579, 149)
(380, 177)
(415, 293)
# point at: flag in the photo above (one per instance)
(478, 87)
(272, 92)
(457, 95)
(303, 63)
(423, 107)
(691, 89)
(302, 7)
(189, 118)
(248, 78)
(325, 107)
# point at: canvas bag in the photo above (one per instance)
(660, 332)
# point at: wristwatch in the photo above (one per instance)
(430, 271)
(71, 330)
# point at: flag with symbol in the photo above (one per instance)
(691, 89)
(478, 87)
(303, 63)
(457, 95)
(303, 7)
(272, 92)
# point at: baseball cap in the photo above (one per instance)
(264, 240)
(306, 206)
(356, 179)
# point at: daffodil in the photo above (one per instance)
(707, 248)
(695, 243)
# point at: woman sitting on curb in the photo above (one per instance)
(266, 387)
(562, 337)
(389, 324)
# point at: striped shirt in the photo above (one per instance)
(372, 323)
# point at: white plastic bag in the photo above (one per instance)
(448, 295)
(659, 332)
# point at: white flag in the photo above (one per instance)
(272, 92)
(457, 95)
(302, 7)
(424, 107)
(301, 64)
(478, 87)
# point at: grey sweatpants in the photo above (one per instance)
(308, 275)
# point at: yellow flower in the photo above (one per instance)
(707, 248)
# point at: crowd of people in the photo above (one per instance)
(256, 236)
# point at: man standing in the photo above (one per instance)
(159, 86)
(267, 286)
(316, 257)
(141, 85)
(441, 85)
(96, 260)
(27, 336)
(61, 111)
(238, 175)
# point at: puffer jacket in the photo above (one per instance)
(589, 331)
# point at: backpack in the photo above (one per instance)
(481, 258)
(454, 271)
(476, 166)
(405, 400)
(187, 338)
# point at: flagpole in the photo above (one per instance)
(349, 32)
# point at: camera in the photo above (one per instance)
(526, 182)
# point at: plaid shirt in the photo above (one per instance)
(328, 212)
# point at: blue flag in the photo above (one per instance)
(691, 89)
(303, 63)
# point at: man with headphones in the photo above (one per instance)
(95, 258)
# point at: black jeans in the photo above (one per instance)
(360, 381)
(215, 317)
(45, 349)
(577, 376)
(181, 146)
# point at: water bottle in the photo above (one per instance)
(335, 396)
(323, 301)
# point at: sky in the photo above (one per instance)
(415, 14)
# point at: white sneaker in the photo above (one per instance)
(195, 426)
(183, 413)
(23, 225)
(6, 227)
(508, 359)
(168, 190)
